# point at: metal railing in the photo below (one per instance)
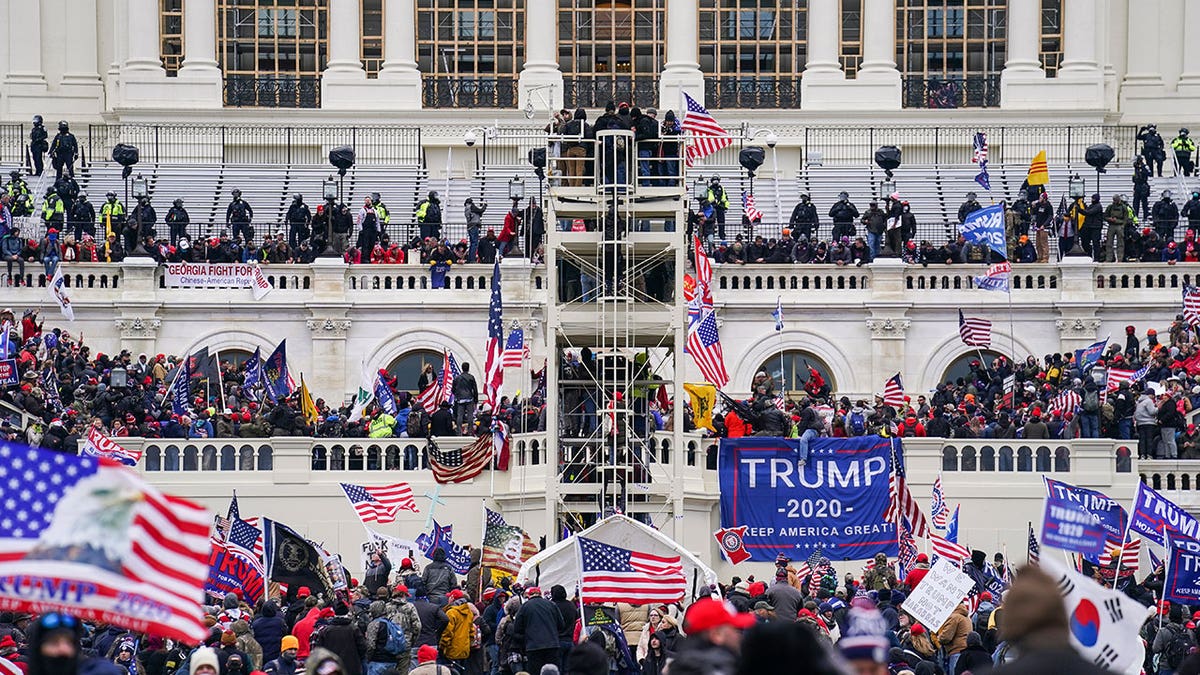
(596, 92)
(466, 92)
(755, 92)
(972, 91)
(263, 91)
(255, 143)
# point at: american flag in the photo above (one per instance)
(246, 539)
(99, 445)
(1065, 402)
(74, 523)
(380, 504)
(907, 559)
(1033, 550)
(974, 332)
(955, 553)
(1191, 305)
(702, 298)
(901, 503)
(1130, 554)
(516, 349)
(493, 372)
(439, 390)
(235, 513)
(893, 392)
(979, 155)
(939, 510)
(704, 344)
(705, 135)
(614, 574)
(9, 668)
(460, 464)
(748, 207)
(1116, 376)
(505, 546)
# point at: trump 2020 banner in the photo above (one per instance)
(835, 502)
(1182, 584)
(1106, 512)
(230, 571)
(1155, 517)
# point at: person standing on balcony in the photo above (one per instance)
(1043, 214)
(875, 222)
(144, 220)
(177, 221)
(238, 216)
(53, 213)
(719, 200)
(1170, 420)
(1141, 187)
(971, 205)
(299, 220)
(843, 213)
(382, 216)
(368, 227)
(1166, 216)
(1184, 146)
(38, 145)
(1145, 419)
(64, 150)
(429, 217)
(645, 134)
(575, 147)
(82, 218)
(535, 226)
(1153, 147)
(1093, 223)
(466, 393)
(1119, 223)
(11, 245)
(1191, 211)
(804, 221)
(473, 213)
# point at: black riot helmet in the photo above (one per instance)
(62, 126)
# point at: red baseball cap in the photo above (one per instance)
(303, 592)
(707, 613)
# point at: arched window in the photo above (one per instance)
(791, 371)
(961, 366)
(407, 368)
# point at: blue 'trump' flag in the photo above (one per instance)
(275, 370)
(986, 226)
(1088, 357)
(383, 394)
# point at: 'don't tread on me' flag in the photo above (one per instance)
(89, 537)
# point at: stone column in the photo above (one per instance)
(819, 88)
(142, 38)
(1079, 40)
(681, 73)
(1189, 79)
(1143, 74)
(25, 43)
(200, 69)
(399, 80)
(344, 84)
(879, 40)
(1024, 40)
(83, 65)
(541, 82)
(345, 36)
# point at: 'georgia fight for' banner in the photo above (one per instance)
(835, 502)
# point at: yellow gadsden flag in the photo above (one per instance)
(1039, 174)
(306, 403)
(704, 399)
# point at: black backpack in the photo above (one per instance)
(1179, 647)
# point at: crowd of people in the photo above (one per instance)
(434, 622)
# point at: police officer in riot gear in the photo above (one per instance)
(804, 219)
(38, 145)
(238, 216)
(1153, 147)
(177, 221)
(299, 220)
(64, 150)
(429, 217)
(82, 217)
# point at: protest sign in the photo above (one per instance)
(942, 589)
(9, 375)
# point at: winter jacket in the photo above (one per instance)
(952, 636)
(303, 631)
(1145, 413)
(402, 613)
(455, 643)
(433, 619)
(377, 576)
(342, 637)
(438, 578)
(269, 629)
(538, 624)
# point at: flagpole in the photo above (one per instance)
(1028, 560)
(1120, 558)
(220, 380)
(482, 543)
(1166, 573)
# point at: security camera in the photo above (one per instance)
(529, 111)
(772, 139)
(470, 138)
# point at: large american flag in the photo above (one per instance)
(493, 372)
(906, 561)
(939, 510)
(702, 298)
(748, 207)
(704, 344)
(99, 445)
(380, 504)
(705, 135)
(1033, 550)
(1191, 305)
(516, 349)
(893, 392)
(614, 574)
(901, 503)
(235, 513)
(974, 332)
(460, 464)
(1065, 402)
(1116, 376)
(116, 549)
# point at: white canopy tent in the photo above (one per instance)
(559, 564)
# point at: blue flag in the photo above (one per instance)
(437, 275)
(1086, 358)
(1155, 518)
(986, 226)
(1107, 513)
(180, 389)
(5, 341)
(383, 395)
(778, 313)
(1068, 526)
(254, 375)
(1182, 585)
(275, 370)
(952, 526)
(458, 559)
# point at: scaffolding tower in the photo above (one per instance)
(615, 259)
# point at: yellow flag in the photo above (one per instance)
(306, 403)
(704, 399)
(1039, 173)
